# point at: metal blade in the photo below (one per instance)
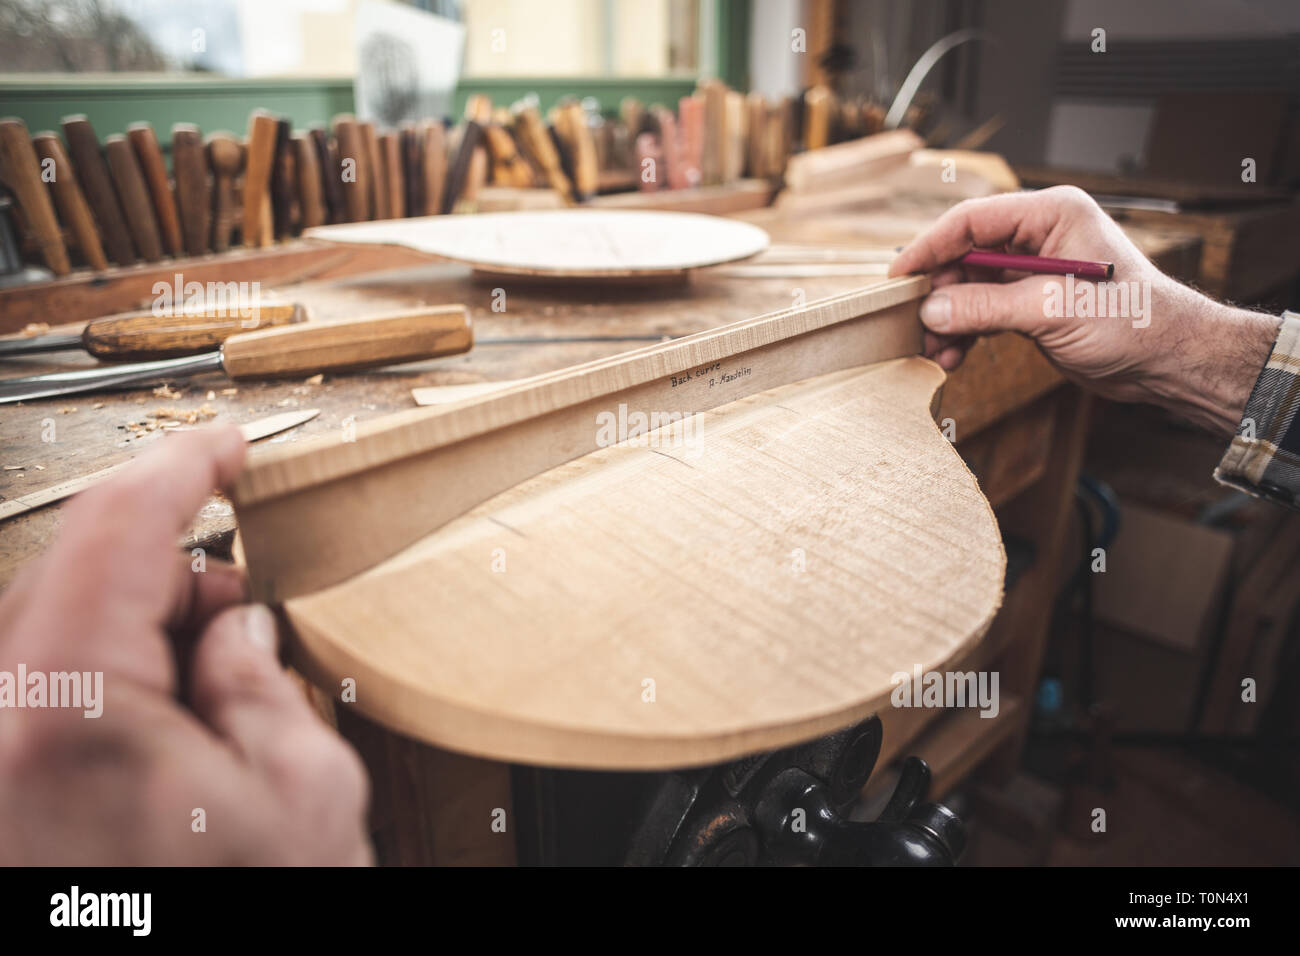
(252, 431)
(31, 344)
(108, 377)
(921, 69)
(265, 427)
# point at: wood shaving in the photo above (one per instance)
(315, 379)
(230, 391)
(67, 409)
(97, 405)
(166, 391)
(166, 419)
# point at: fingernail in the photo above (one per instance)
(936, 311)
(259, 627)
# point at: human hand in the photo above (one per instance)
(270, 782)
(1169, 345)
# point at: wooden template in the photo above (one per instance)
(673, 556)
(567, 242)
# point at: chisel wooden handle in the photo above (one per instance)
(354, 169)
(327, 159)
(139, 336)
(92, 173)
(312, 347)
(21, 172)
(190, 166)
(412, 174)
(433, 167)
(377, 198)
(226, 159)
(284, 181)
(262, 132)
(459, 173)
(134, 195)
(70, 200)
(390, 157)
(311, 203)
(149, 154)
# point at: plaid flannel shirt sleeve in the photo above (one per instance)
(1264, 457)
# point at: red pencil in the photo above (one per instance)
(1057, 267)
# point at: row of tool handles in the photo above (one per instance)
(116, 201)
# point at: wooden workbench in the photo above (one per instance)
(1019, 429)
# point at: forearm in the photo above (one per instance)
(1213, 361)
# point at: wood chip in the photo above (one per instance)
(166, 391)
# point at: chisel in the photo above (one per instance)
(412, 169)
(21, 172)
(92, 173)
(306, 348)
(134, 196)
(353, 169)
(331, 176)
(252, 431)
(377, 198)
(71, 201)
(433, 167)
(284, 181)
(226, 159)
(145, 143)
(190, 169)
(390, 157)
(311, 202)
(263, 129)
(146, 335)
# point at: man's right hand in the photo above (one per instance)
(1196, 356)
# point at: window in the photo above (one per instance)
(582, 38)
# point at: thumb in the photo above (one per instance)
(239, 689)
(978, 308)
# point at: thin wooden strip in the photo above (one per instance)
(283, 471)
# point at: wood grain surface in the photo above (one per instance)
(768, 575)
(354, 502)
(307, 348)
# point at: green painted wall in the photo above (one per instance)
(113, 102)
